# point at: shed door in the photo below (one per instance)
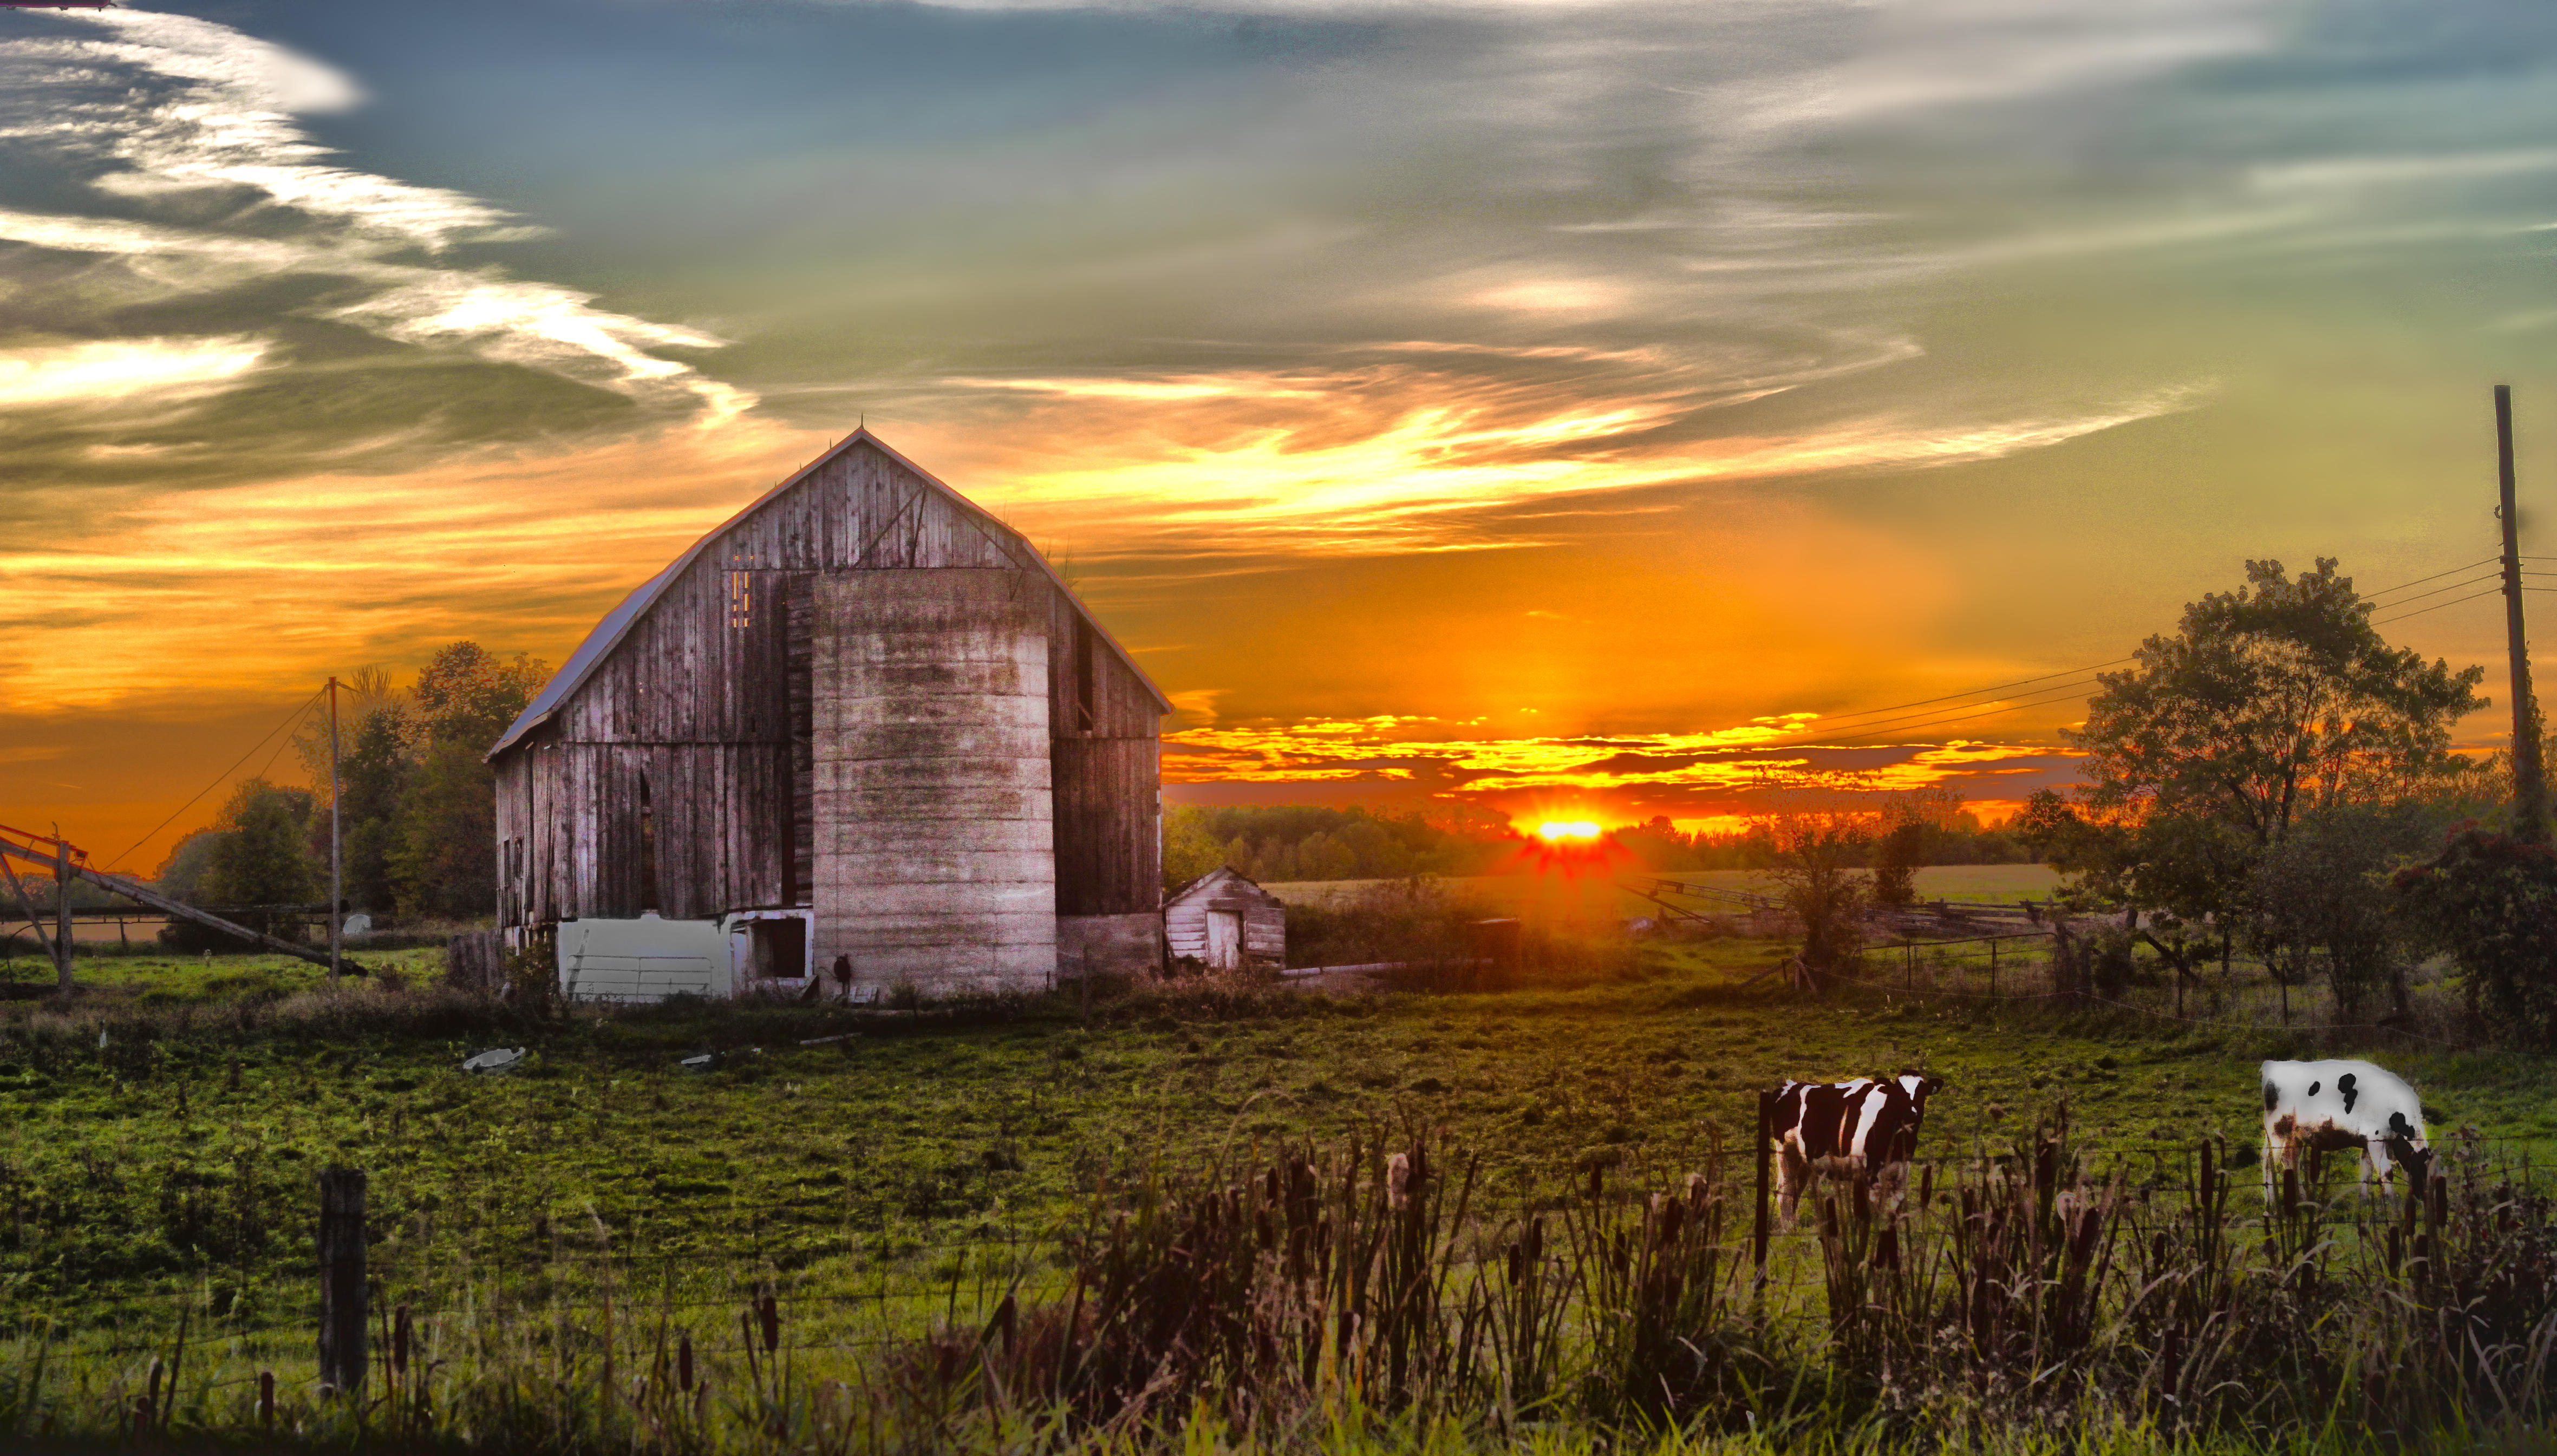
(1224, 939)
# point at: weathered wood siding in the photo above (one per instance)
(935, 863)
(715, 694)
(1264, 916)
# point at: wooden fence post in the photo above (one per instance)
(1766, 1139)
(341, 1279)
(62, 910)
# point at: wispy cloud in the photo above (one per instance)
(105, 373)
(183, 131)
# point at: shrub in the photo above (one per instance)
(2491, 901)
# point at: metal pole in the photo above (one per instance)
(337, 871)
(2530, 784)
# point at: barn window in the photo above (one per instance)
(1083, 693)
(647, 847)
(740, 598)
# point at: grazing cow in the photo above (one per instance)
(1865, 1127)
(2332, 1106)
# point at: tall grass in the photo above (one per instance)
(1387, 1297)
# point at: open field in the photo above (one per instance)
(159, 1142)
(1997, 883)
(919, 1130)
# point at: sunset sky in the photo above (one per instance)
(1584, 406)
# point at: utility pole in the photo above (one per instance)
(2530, 783)
(336, 889)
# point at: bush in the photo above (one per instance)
(2491, 901)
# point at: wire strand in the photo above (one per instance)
(2438, 605)
(218, 779)
(1852, 720)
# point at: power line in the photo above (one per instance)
(1900, 724)
(2437, 576)
(2497, 577)
(1880, 722)
(1976, 692)
(2058, 696)
(219, 779)
(2454, 602)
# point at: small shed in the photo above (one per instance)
(1225, 922)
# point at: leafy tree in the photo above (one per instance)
(2491, 901)
(440, 855)
(1895, 865)
(181, 871)
(2273, 705)
(2321, 892)
(259, 856)
(1813, 870)
(467, 695)
(444, 863)
(2277, 698)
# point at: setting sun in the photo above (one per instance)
(1557, 831)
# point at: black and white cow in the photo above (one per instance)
(2334, 1106)
(1843, 1128)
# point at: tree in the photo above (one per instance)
(2273, 705)
(441, 856)
(467, 695)
(444, 863)
(1816, 853)
(2273, 700)
(181, 871)
(1896, 861)
(259, 857)
(2320, 894)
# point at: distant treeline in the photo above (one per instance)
(1295, 842)
(1288, 841)
(1957, 839)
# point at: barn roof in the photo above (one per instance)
(616, 623)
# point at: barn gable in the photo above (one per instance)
(703, 750)
(875, 520)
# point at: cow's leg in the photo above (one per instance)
(1890, 1181)
(2272, 1153)
(1793, 1171)
(2374, 1161)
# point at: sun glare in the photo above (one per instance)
(1562, 831)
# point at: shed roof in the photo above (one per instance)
(1229, 873)
(616, 623)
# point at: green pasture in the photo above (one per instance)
(180, 1155)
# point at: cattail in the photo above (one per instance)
(400, 1336)
(684, 1361)
(266, 1400)
(771, 1311)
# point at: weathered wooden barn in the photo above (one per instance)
(1225, 922)
(870, 713)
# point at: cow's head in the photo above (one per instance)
(2417, 1161)
(1918, 1085)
